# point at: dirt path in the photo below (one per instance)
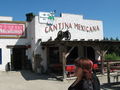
(27, 80)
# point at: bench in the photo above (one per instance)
(116, 76)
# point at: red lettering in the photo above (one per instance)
(50, 28)
(59, 24)
(70, 25)
(46, 29)
(87, 28)
(98, 28)
(55, 27)
(65, 26)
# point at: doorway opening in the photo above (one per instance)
(18, 60)
(72, 56)
(54, 64)
(89, 53)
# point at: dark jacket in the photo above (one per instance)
(78, 86)
(81, 85)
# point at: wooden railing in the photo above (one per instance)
(115, 66)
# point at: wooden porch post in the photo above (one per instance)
(101, 51)
(63, 59)
(108, 72)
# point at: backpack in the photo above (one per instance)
(87, 85)
(93, 84)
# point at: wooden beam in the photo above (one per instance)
(68, 53)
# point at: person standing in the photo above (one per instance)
(86, 79)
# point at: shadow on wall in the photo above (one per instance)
(7, 67)
(112, 86)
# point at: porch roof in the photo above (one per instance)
(83, 43)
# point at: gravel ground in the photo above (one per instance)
(27, 80)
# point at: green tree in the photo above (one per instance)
(117, 39)
(114, 50)
(112, 56)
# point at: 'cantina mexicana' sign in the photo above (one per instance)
(67, 26)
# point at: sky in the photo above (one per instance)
(107, 11)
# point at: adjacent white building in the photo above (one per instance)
(13, 39)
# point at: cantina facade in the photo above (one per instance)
(47, 43)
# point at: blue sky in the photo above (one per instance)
(106, 10)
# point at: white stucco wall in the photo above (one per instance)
(31, 37)
(3, 18)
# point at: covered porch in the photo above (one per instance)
(68, 51)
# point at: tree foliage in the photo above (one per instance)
(112, 56)
(114, 51)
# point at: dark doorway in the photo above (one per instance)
(18, 58)
(90, 53)
(54, 55)
(73, 55)
(54, 64)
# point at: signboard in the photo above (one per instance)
(46, 17)
(12, 30)
(79, 28)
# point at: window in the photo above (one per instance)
(54, 55)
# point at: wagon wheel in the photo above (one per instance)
(60, 34)
(67, 35)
